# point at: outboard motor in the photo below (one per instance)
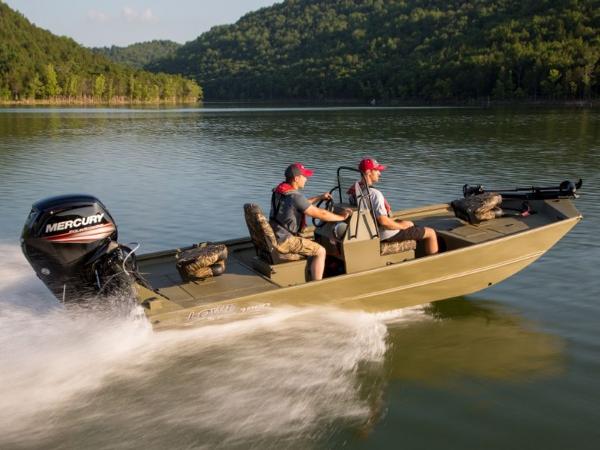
(71, 243)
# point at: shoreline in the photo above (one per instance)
(90, 102)
(591, 103)
(409, 103)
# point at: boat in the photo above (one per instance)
(361, 274)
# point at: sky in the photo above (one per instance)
(99, 23)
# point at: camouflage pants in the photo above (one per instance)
(300, 246)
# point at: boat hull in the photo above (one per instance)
(449, 274)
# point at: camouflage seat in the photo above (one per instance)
(477, 208)
(203, 261)
(263, 237)
(388, 248)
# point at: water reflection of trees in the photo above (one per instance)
(32, 124)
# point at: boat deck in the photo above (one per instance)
(455, 230)
(237, 281)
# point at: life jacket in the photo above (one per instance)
(284, 189)
(352, 193)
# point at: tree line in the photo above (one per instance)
(36, 65)
(400, 49)
(140, 54)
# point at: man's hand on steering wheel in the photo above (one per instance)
(347, 212)
(328, 206)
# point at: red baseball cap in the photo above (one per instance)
(370, 164)
(296, 169)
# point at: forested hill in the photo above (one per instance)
(36, 65)
(140, 54)
(401, 49)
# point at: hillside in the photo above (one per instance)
(400, 49)
(140, 54)
(37, 66)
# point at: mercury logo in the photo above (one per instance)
(75, 223)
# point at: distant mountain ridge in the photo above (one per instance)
(38, 66)
(139, 54)
(400, 49)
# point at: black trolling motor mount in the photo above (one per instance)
(71, 243)
(566, 189)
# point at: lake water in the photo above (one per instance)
(515, 366)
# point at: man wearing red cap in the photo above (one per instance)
(289, 209)
(390, 229)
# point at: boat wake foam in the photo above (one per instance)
(18, 283)
(112, 382)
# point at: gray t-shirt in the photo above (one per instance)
(379, 209)
(287, 212)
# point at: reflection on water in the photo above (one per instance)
(470, 338)
(291, 378)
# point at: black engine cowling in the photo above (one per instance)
(71, 243)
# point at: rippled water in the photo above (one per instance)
(514, 367)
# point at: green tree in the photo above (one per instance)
(35, 88)
(192, 91)
(169, 89)
(52, 89)
(109, 92)
(5, 93)
(154, 93)
(72, 86)
(99, 86)
(551, 85)
(131, 88)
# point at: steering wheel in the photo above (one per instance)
(326, 204)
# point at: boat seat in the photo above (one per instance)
(263, 237)
(389, 248)
(204, 260)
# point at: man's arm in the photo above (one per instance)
(380, 211)
(325, 215)
(316, 198)
(390, 224)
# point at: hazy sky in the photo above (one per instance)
(96, 23)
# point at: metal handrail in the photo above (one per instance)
(358, 203)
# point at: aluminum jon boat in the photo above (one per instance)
(361, 273)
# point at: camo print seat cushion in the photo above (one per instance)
(204, 261)
(388, 248)
(263, 237)
(477, 208)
